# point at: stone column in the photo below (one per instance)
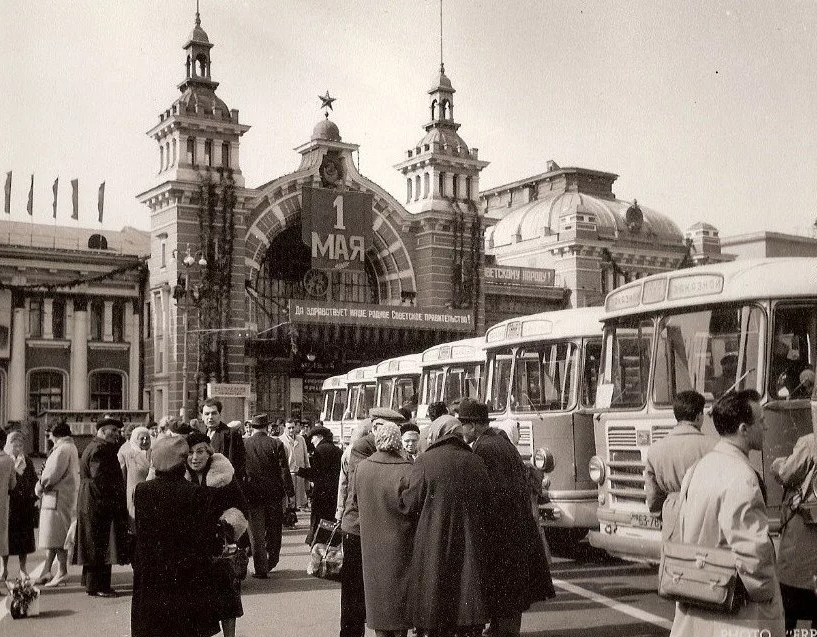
(79, 360)
(48, 318)
(133, 363)
(17, 409)
(107, 322)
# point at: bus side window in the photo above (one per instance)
(792, 356)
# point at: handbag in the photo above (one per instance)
(233, 561)
(701, 576)
(326, 558)
(803, 501)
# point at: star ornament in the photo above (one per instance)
(326, 101)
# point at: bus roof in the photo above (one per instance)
(361, 375)
(467, 350)
(546, 326)
(334, 382)
(408, 364)
(742, 280)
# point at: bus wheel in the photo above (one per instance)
(564, 542)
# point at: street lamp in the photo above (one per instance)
(181, 292)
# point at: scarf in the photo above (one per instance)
(19, 460)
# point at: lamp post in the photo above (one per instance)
(182, 291)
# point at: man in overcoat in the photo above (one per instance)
(518, 572)
(725, 508)
(669, 458)
(102, 511)
(176, 537)
(224, 440)
(323, 472)
(298, 455)
(268, 480)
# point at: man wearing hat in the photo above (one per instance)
(323, 472)
(517, 568)
(173, 587)
(352, 597)
(102, 512)
(268, 480)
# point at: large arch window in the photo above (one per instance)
(46, 390)
(106, 389)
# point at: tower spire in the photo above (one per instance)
(442, 66)
(198, 17)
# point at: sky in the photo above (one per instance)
(705, 109)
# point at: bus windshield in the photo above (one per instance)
(433, 386)
(499, 374)
(384, 387)
(334, 411)
(405, 392)
(625, 362)
(361, 399)
(461, 382)
(711, 351)
(544, 377)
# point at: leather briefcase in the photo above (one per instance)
(700, 576)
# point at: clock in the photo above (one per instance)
(316, 282)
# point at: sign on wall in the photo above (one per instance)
(380, 315)
(336, 225)
(514, 275)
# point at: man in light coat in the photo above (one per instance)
(669, 458)
(298, 457)
(725, 508)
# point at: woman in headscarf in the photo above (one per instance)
(214, 472)
(448, 488)
(58, 487)
(21, 505)
(134, 459)
(386, 535)
(8, 479)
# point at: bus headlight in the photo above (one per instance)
(543, 460)
(597, 470)
(545, 484)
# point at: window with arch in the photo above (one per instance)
(225, 154)
(106, 389)
(443, 109)
(97, 242)
(433, 109)
(416, 187)
(191, 151)
(454, 188)
(46, 390)
(208, 152)
(426, 184)
(167, 154)
(408, 189)
(161, 157)
(441, 185)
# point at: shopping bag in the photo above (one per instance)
(326, 558)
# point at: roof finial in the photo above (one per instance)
(442, 66)
(198, 18)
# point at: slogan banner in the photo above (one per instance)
(380, 316)
(336, 225)
(513, 275)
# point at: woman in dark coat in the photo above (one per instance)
(22, 512)
(176, 537)
(323, 473)
(214, 472)
(102, 511)
(448, 488)
(386, 534)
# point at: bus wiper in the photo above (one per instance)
(738, 381)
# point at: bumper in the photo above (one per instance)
(633, 549)
(575, 509)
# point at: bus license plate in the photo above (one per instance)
(645, 520)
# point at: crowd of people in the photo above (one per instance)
(439, 530)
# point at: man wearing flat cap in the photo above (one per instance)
(517, 568)
(102, 511)
(268, 480)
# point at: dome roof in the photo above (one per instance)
(198, 35)
(326, 129)
(444, 136)
(204, 97)
(541, 218)
(440, 80)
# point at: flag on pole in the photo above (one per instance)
(30, 206)
(54, 188)
(75, 198)
(7, 207)
(101, 200)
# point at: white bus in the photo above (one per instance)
(334, 403)
(360, 384)
(541, 372)
(398, 382)
(749, 324)
(450, 372)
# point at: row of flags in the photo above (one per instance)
(55, 188)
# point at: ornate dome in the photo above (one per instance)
(440, 80)
(541, 218)
(198, 35)
(206, 98)
(444, 136)
(327, 130)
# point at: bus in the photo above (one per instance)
(360, 385)
(541, 375)
(748, 324)
(333, 404)
(450, 372)
(398, 382)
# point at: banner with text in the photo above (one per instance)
(513, 275)
(336, 225)
(380, 316)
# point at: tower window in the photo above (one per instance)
(433, 109)
(225, 155)
(444, 109)
(58, 318)
(173, 158)
(441, 185)
(417, 188)
(161, 157)
(191, 151)
(97, 242)
(468, 193)
(454, 190)
(408, 189)
(426, 184)
(208, 152)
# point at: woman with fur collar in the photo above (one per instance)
(213, 471)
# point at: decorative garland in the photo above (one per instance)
(139, 264)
